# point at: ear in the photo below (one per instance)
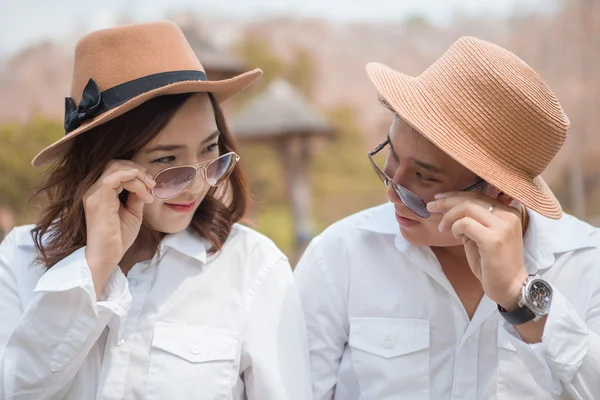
(505, 199)
(497, 194)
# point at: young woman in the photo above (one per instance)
(137, 281)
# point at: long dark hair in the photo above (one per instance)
(61, 228)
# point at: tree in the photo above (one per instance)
(20, 143)
(257, 53)
(301, 72)
(342, 178)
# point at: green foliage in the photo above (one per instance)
(264, 173)
(275, 221)
(20, 143)
(342, 178)
(301, 72)
(257, 53)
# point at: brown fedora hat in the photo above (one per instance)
(118, 69)
(489, 111)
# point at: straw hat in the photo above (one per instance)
(488, 110)
(120, 68)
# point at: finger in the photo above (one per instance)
(469, 209)
(114, 165)
(443, 204)
(138, 188)
(117, 165)
(470, 228)
(128, 180)
(135, 204)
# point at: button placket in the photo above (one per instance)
(115, 380)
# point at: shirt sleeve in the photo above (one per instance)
(326, 319)
(275, 361)
(567, 361)
(44, 343)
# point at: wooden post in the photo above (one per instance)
(294, 152)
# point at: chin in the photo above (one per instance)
(425, 237)
(173, 229)
(168, 227)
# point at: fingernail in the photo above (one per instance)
(431, 205)
(133, 170)
(150, 181)
(440, 227)
(441, 195)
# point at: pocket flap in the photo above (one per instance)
(389, 337)
(195, 343)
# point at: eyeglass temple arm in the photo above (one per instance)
(475, 186)
(379, 147)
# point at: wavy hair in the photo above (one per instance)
(61, 228)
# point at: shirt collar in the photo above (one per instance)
(187, 242)
(545, 238)
(383, 220)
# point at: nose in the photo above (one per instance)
(400, 176)
(198, 184)
(392, 196)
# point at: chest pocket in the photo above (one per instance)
(390, 357)
(191, 362)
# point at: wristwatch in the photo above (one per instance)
(534, 302)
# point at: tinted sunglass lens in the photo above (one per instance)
(220, 169)
(172, 182)
(412, 201)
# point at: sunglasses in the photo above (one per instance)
(172, 181)
(413, 202)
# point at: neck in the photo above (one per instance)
(141, 250)
(455, 254)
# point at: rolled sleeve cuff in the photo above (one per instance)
(73, 272)
(562, 350)
(116, 296)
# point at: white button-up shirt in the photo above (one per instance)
(385, 323)
(185, 325)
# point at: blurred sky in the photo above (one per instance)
(23, 22)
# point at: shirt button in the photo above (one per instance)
(120, 342)
(387, 344)
(466, 342)
(195, 349)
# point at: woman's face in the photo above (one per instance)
(191, 137)
(418, 165)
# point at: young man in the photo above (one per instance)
(470, 283)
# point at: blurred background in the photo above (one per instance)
(306, 127)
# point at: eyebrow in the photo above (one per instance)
(424, 165)
(174, 147)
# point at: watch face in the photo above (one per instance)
(539, 296)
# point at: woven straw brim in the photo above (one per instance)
(222, 90)
(415, 106)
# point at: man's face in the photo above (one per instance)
(415, 163)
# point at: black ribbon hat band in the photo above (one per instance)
(94, 103)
